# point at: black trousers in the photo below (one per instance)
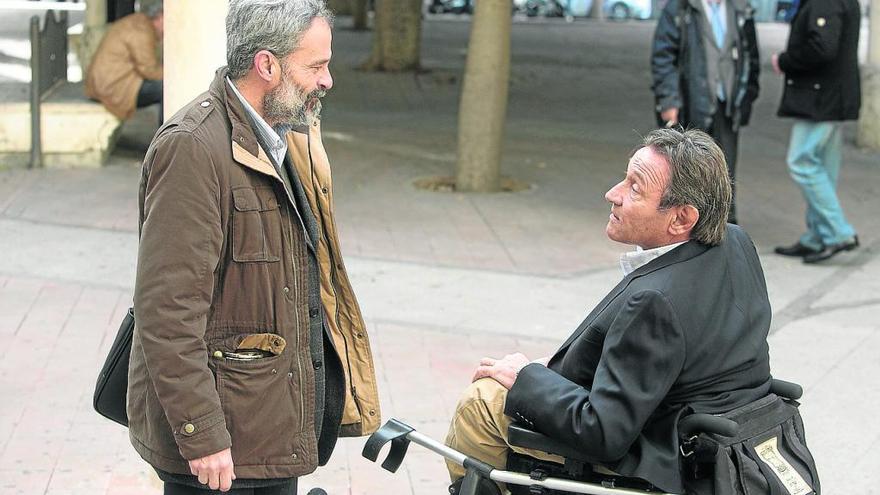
(728, 139)
(287, 488)
(150, 93)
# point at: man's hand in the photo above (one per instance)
(670, 116)
(502, 370)
(774, 60)
(214, 470)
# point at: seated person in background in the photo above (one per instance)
(125, 72)
(686, 327)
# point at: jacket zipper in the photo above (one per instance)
(334, 280)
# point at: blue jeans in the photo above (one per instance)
(814, 155)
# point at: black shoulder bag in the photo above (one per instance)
(769, 455)
(112, 386)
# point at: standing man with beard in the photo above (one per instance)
(250, 355)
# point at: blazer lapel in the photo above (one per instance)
(731, 29)
(681, 253)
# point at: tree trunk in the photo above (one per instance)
(869, 124)
(359, 14)
(483, 105)
(596, 11)
(339, 7)
(397, 35)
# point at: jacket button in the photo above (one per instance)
(324, 190)
(218, 354)
(205, 104)
(318, 365)
(817, 86)
(313, 313)
(372, 412)
(293, 455)
(286, 290)
(189, 429)
(290, 374)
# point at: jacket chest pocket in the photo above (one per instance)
(256, 225)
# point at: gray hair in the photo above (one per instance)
(273, 25)
(152, 9)
(698, 178)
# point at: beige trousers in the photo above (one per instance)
(479, 428)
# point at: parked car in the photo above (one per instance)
(453, 6)
(613, 9)
(628, 9)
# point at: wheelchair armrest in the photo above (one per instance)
(521, 436)
(787, 390)
(706, 423)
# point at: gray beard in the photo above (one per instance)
(288, 104)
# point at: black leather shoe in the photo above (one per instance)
(829, 251)
(796, 249)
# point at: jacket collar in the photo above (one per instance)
(246, 150)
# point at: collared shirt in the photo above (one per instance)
(632, 260)
(272, 137)
(722, 10)
(709, 7)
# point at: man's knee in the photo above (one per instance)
(485, 390)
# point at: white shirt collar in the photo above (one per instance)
(277, 145)
(633, 260)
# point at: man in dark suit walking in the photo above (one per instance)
(685, 328)
(705, 68)
(821, 69)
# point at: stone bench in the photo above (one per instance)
(77, 132)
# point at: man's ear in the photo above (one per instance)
(684, 220)
(264, 63)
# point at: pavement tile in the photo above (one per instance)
(50, 312)
(139, 483)
(17, 296)
(24, 480)
(79, 479)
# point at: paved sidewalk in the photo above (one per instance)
(443, 279)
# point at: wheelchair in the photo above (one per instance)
(529, 476)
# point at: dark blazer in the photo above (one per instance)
(687, 330)
(821, 62)
(678, 63)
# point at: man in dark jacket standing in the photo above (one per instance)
(704, 62)
(250, 355)
(821, 70)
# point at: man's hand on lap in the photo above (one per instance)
(502, 370)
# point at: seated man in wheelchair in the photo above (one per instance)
(684, 331)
